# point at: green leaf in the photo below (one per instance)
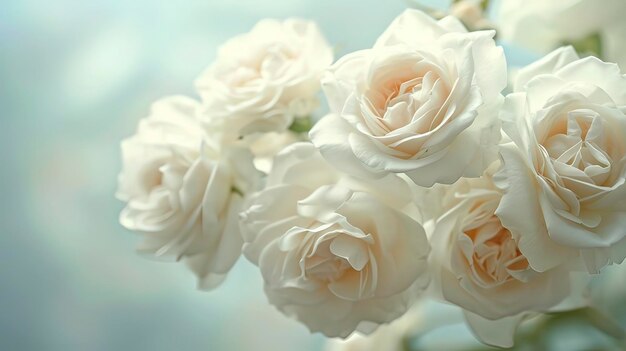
(301, 125)
(589, 45)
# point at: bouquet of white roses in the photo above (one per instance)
(422, 181)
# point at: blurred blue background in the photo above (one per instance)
(76, 76)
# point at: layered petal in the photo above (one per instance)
(567, 124)
(263, 79)
(422, 101)
(335, 252)
(183, 191)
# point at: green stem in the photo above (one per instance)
(236, 190)
(301, 125)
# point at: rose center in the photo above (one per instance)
(403, 93)
(269, 62)
(333, 255)
(495, 255)
(326, 269)
(578, 148)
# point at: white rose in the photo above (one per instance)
(566, 168)
(478, 266)
(545, 25)
(265, 78)
(423, 102)
(183, 194)
(335, 253)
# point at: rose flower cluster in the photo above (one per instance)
(422, 181)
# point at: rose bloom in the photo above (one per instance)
(543, 26)
(182, 193)
(566, 167)
(265, 78)
(335, 253)
(478, 266)
(423, 101)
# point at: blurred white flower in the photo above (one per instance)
(390, 337)
(478, 266)
(265, 78)
(423, 101)
(265, 146)
(545, 25)
(565, 170)
(471, 13)
(184, 193)
(335, 253)
(427, 325)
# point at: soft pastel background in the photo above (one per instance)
(75, 77)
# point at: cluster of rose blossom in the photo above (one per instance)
(423, 180)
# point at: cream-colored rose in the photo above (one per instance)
(423, 101)
(543, 26)
(565, 170)
(335, 253)
(265, 78)
(183, 193)
(478, 266)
